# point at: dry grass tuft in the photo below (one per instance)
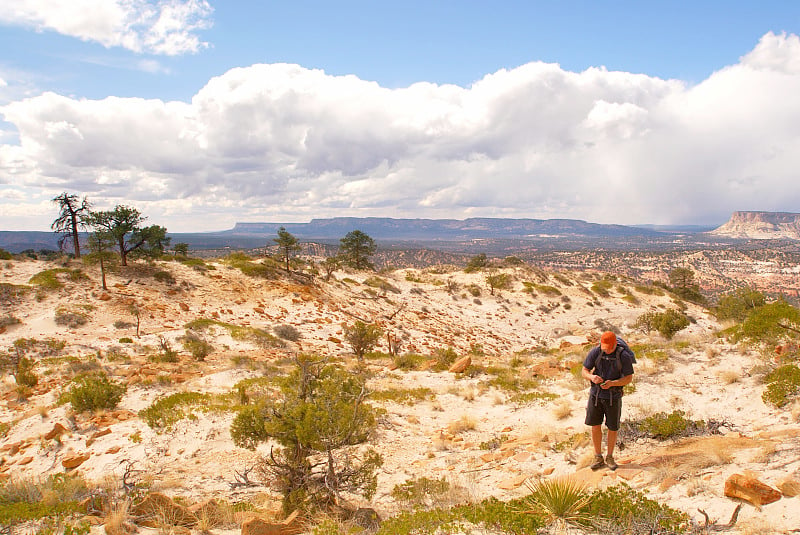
(465, 423)
(118, 520)
(729, 377)
(562, 410)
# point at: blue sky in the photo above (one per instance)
(204, 113)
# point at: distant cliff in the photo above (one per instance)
(761, 226)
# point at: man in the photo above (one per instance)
(608, 367)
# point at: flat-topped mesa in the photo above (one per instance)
(761, 226)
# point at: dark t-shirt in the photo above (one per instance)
(607, 369)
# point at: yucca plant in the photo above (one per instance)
(561, 502)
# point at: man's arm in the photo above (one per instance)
(622, 381)
(589, 376)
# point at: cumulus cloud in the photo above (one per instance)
(166, 27)
(285, 143)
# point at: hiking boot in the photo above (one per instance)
(598, 462)
(612, 464)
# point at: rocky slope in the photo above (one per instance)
(479, 433)
(761, 226)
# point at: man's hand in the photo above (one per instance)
(596, 379)
(605, 385)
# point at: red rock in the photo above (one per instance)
(101, 433)
(74, 461)
(461, 364)
(56, 431)
(184, 307)
(751, 490)
(25, 460)
(104, 297)
(113, 449)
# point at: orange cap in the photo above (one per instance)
(608, 338)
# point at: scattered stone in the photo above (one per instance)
(460, 365)
(184, 306)
(56, 431)
(74, 460)
(512, 483)
(101, 433)
(751, 490)
(25, 460)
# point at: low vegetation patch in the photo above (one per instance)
(287, 332)
(59, 495)
(663, 426)
(783, 385)
(70, 318)
(93, 391)
(381, 284)
(163, 413)
(196, 345)
(406, 396)
(259, 337)
(667, 323)
(266, 269)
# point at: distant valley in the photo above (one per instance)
(489, 235)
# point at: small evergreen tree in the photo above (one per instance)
(683, 284)
(476, 263)
(362, 337)
(320, 413)
(355, 249)
(287, 244)
(498, 281)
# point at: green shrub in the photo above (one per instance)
(381, 284)
(93, 391)
(738, 304)
(362, 337)
(164, 276)
(165, 412)
(47, 280)
(476, 263)
(287, 332)
(25, 376)
(420, 491)
(258, 337)
(667, 323)
(70, 319)
(621, 509)
(126, 340)
(764, 323)
(663, 426)
(5, 255)
(409, 361)
(444, 357)
(602, 287)
(649, 290)
(783, 385)
(267, 269)
(197, 346)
